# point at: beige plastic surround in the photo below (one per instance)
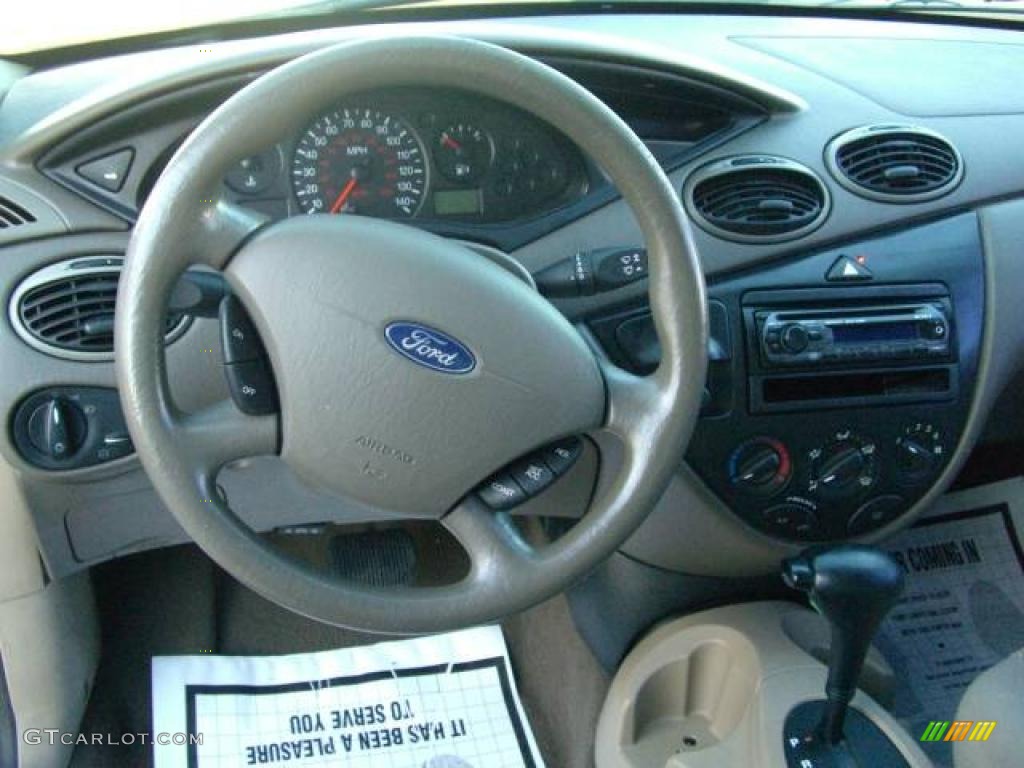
(712, 690)
(49, 636)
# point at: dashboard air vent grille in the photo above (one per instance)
(12, 214)
(757, 199)
(895, 163)
(69, 311)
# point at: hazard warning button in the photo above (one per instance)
(848, 268)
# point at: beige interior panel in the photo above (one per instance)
(49, 635)
(713, 690)
(49, 642)
(22, 571)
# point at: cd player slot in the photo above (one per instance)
(839, 314)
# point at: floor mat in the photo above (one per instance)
(446, 701)
(963, 607)
(175, 601)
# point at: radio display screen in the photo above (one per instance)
(860, 334)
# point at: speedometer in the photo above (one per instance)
(359, 160)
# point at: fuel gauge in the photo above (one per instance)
(463, 153)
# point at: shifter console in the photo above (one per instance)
(853, 587)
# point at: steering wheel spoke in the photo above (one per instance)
(220, 433)
(224, 226)
(489, 538)
(631, 400)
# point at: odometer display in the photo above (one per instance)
(356, 160)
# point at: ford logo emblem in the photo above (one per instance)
(430, 348)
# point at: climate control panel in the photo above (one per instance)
(829, 480)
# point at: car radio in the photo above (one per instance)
(873, 334)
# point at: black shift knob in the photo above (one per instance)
(853, 587)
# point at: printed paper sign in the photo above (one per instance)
(962, 610)
(447, 701)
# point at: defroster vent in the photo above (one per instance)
(12, 214)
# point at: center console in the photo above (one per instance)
(723, 687)
(839, 382)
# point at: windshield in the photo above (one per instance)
(35, 26)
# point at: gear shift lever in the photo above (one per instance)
(853, 587)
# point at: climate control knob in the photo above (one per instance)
(919, 451)
(845, 467)
(760, 466)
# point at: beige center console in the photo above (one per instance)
(714, 689)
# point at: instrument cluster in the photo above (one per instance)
(414, 154)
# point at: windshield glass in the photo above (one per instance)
(34, 26)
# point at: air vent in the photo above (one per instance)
(12, 214)
(67, 309)
(895, 163)
(756, 198)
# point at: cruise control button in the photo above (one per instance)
(562, 455)
(252, 387)
(532, 475)
(238, 336)
(501, 492)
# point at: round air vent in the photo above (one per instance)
(895, 163)
(67, 309)
(756, 199)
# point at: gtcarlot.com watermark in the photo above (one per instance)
(53, 736)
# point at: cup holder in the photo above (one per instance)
(696, 699)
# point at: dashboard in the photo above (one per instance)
(842, 214)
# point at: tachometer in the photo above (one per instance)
(359, 160)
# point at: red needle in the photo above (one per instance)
(343, 196)
(449, 141)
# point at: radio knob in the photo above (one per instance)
(794, 338)
(933, 330)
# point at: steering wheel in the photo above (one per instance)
(358, 419)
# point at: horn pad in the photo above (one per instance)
(408, 367)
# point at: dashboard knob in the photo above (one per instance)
(760, 466)
(918, 452)
(914, 459)
(794, 338)
(57, 428)
(844, 468)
